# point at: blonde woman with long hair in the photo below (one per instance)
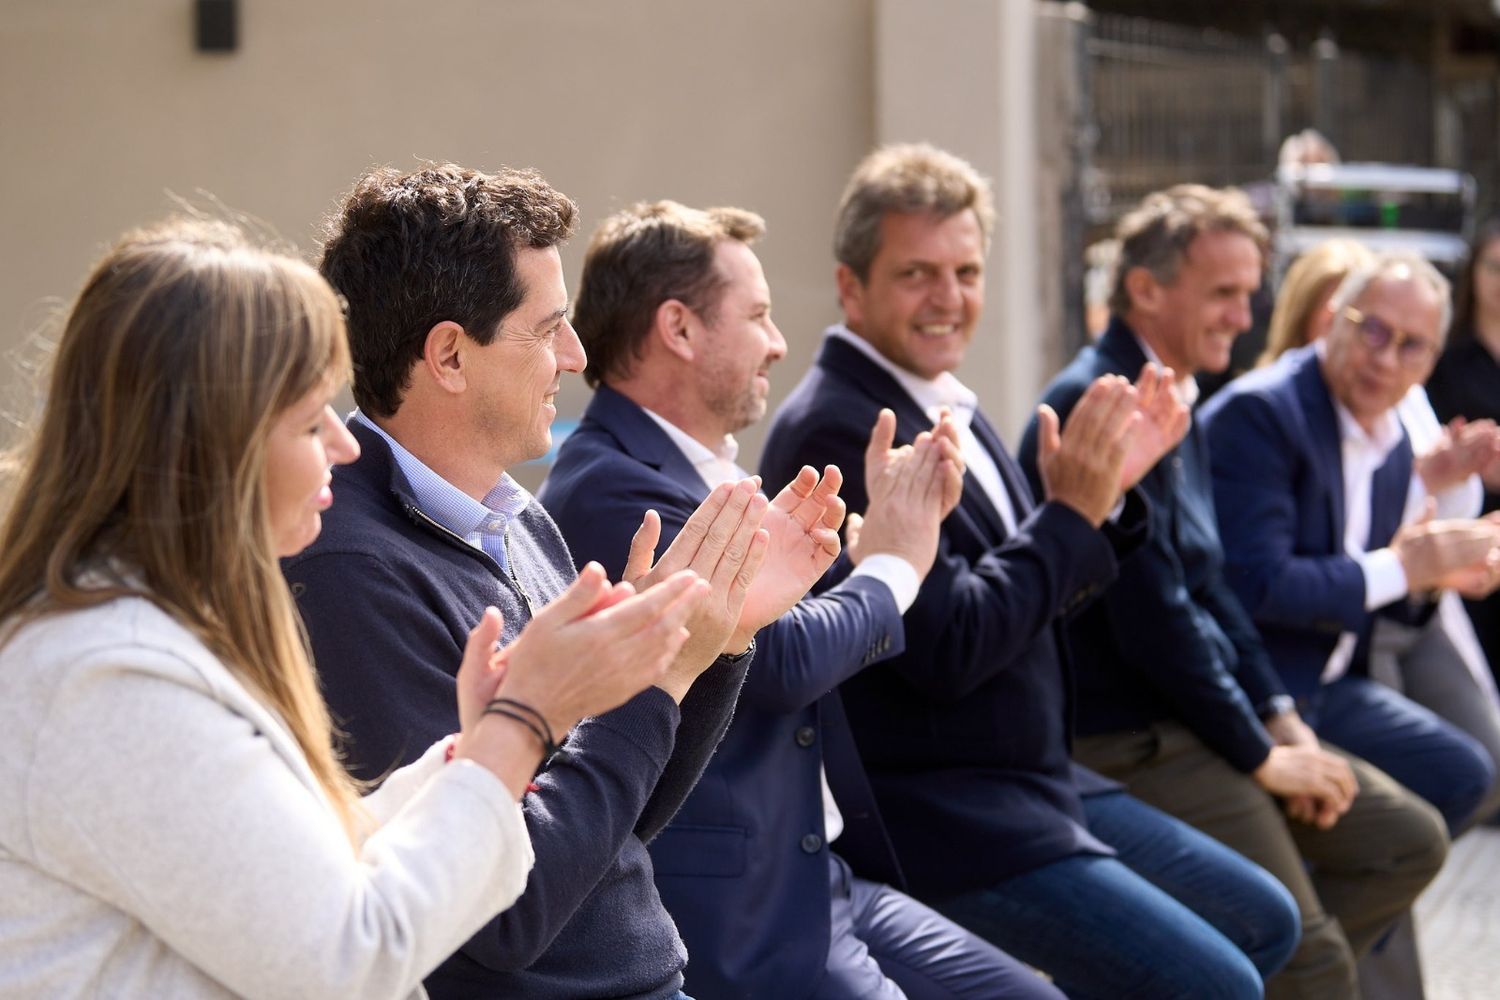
(1439, 665)
(1301, 313)
(176, 820)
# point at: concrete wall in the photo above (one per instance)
(106, 110)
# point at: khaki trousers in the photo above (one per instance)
(1365, 871)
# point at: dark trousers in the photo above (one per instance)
(884, 945)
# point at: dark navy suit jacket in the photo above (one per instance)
(965, 736)
(743, 868)
(1278, 475)
(1169, 639)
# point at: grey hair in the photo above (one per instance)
(1157, 233)
(1397, 265)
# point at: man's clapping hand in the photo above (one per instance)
(722, 542)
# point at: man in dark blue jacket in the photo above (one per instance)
(459, 334)
(675, 313)
(966, 735)
(1311, 472)
(1176, 694)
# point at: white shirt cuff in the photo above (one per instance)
(896, 573)
(1119, 508)
(1464, 500)
(1385, 580)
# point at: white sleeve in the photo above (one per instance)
(1385, 579)
(900, 576)
(1462, 501)
(164, 802)
(398, 788)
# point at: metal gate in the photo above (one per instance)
(1172, 104)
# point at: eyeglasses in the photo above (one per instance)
(1412, 350)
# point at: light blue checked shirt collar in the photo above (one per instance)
(481, 524)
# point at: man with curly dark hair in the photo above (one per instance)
(459, 332)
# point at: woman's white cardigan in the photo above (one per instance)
(161, 834)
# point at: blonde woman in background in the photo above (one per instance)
(176, 822)
(1439, 665)
(1301, 312)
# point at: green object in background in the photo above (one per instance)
(1390, 215)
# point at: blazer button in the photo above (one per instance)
(812, 843)
(805, 736)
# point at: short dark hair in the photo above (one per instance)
(410, 250)
(908, 179)
(641, 257)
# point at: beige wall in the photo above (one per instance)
(105, 107)
(961, 74)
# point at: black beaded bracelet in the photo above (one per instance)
(536, 716)
(543, 736)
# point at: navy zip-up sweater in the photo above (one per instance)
(389, 597)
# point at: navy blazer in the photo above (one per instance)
(1169, 639)
(1278, 475)
(965, 736)
(743, 868)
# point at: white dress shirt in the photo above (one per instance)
(1463, 500)
(714, 465)
(962, 402)
(1362, 454)
(934, 394)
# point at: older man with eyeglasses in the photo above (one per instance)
(1312, 469)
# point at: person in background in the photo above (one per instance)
(1466, 383)
(177, 822)
(1306, 149)
(1312, 470)
(1301, 314)
(1188, 711)
(1436, 662)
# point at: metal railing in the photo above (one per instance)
(1173, 104)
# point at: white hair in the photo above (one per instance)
(1395, 266)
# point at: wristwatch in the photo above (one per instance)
(732, 658)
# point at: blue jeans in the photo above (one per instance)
(1176, 915)
(1438, 761)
